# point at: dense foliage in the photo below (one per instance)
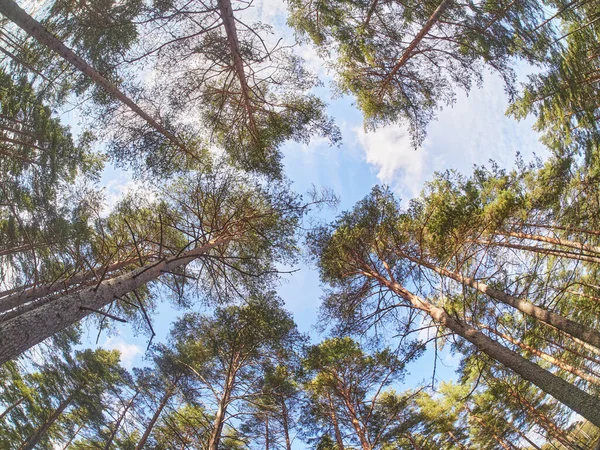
(197, 99)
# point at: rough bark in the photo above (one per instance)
(36, 30)
(27, 330)
(17, 299)
(571, 396)
(286, 424)
(557, 321)
(226, 12)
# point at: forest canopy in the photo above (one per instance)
(464, 316)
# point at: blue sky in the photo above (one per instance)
(471, 132)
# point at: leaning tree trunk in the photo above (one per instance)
(27, 330)
(416, 41)
(35, 29)
(549, 358)
(117, 425)
(571, 396)
(557, 321)
(163, 402)
(33, 440)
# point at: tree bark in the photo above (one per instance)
(226, 12)
(35, 29)
(27, 330)
(497, 438)
(33, 440)
(571, 396)
(557, 321)
(17, 299)
(544, 251)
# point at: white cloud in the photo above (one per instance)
(399, 165)
(472, 131)
(129, 352)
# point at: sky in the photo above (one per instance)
(471, 132)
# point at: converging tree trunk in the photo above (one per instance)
(36, 30)
(568, 394)
(27, 330)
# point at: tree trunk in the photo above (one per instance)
(11, 407)
(544, 251)
(551, 240)
(25, 331)
(33, 440)
(571, 396)
(33, 28)
(336, 425)
(20, 297)
(117, 425)
(163, 402)
(557, 321)
(360, 432)
(549, 358)
(267, 432)
(219, 422)
(543, 421)
(456, 441)
(416, 41)
(286, 424)
(226, 13)
(483, 425)
(72, 438)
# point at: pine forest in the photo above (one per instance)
(300, 224)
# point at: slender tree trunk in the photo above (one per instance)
(117, 425)
(552, 240)
(336, 425)
(574, 351)
(25, 331)
(33, 440)
(219, 422)
(226, 12)
(267, 432)
(567, 229)
(546, 357)
(416, 41)
(72, 438)
(286, 424)
(544, 251)
(492, 433)
(557, 321)
(370, 13)
(542, 420)
(11, 407)
(523, 436)
(456, 441)
(163, 402)
(571, 396)
(360, 432)
(33, 28)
